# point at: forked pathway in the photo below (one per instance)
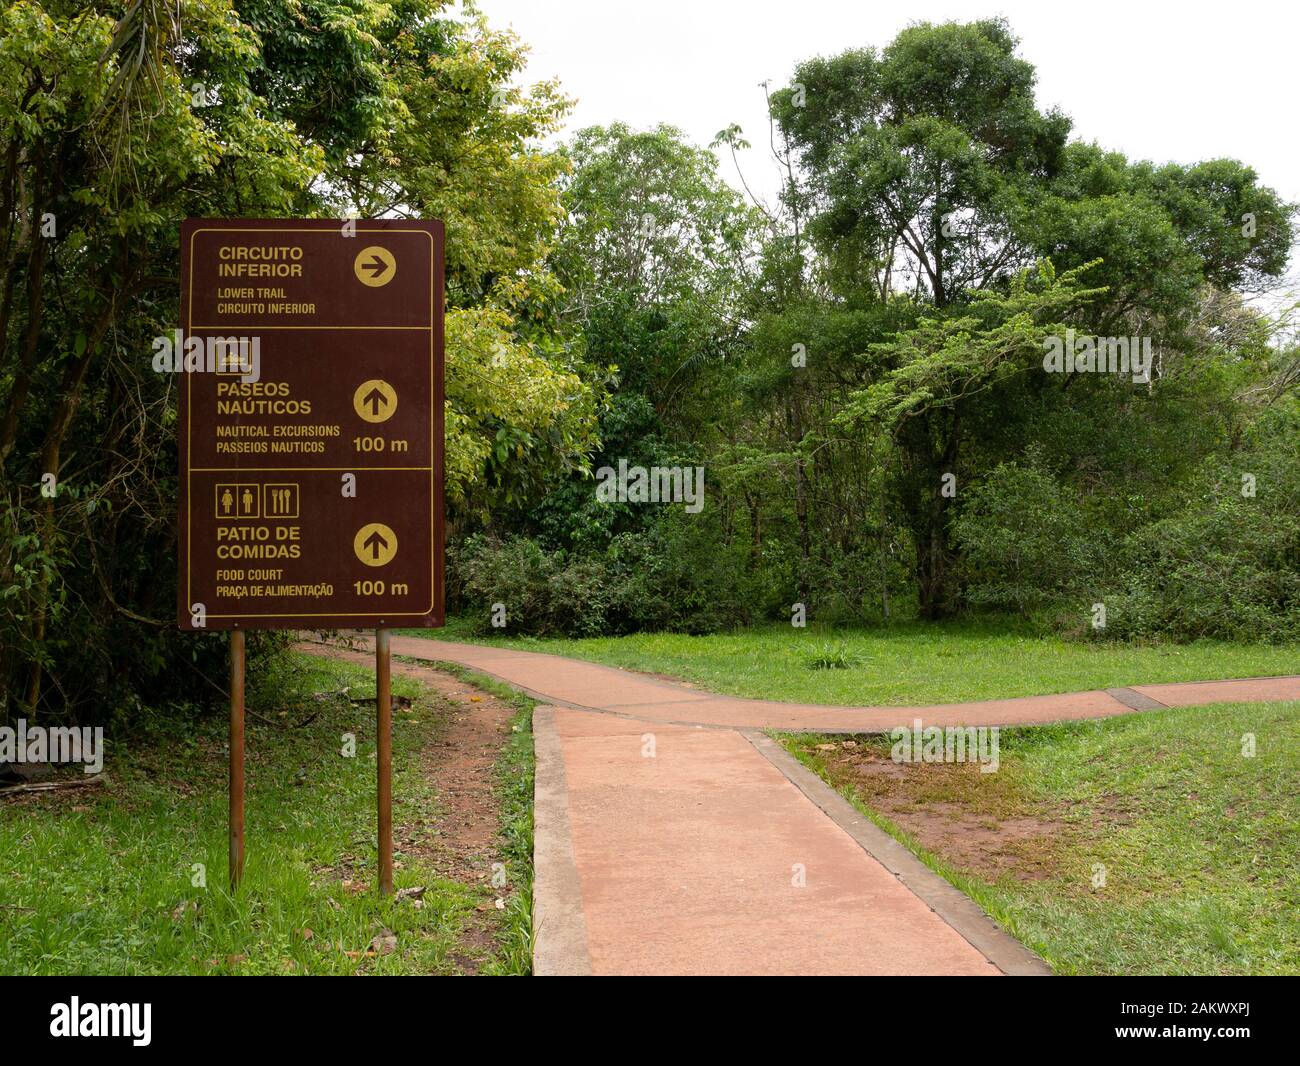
(673, 836)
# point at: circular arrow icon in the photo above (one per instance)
(374, 266)
(375, 400)
(375, 544)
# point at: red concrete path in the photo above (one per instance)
(704, 859)
(590, 686)
(672, 838)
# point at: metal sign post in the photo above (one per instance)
(384, 758)
(236, 758)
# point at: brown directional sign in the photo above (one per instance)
(310, 367)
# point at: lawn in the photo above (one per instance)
(905, 664)
(1146, 844)
(132, 878)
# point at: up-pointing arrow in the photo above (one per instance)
(376, 544)
(376, 399)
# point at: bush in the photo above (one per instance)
(1226, 566)
(674, 576)
(1026, 540)
(831, 656)
(527, 589)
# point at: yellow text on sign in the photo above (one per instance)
(374, 266)
(375, 400)
(375, 544)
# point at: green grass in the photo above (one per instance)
(103, 882)
(906, 664)
(1199, 844)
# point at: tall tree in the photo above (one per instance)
(933, 177)
(654, 256)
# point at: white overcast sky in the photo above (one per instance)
(1164, 81)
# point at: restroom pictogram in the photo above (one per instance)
(238, 500)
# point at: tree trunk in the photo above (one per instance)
(74, 378)
(931, 447)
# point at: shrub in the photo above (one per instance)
(1025, 540)
(536, 591)
(1227, 565)
(673, 576)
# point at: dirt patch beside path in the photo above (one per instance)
(978, 823)
(463, 842)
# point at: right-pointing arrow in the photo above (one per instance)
(375, 265)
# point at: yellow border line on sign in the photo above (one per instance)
(189, 436)
(321, 614)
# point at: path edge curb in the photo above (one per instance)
(956, 908)
(560, 926)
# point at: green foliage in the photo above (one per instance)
(923, 152)
(1026, 542)
(1211, 562)
(117, 122)
(945, 361)
(929, 179)
(668, 577)
(655, 258)
(130, 898)
(1225, 565)
(538, 591)
(955, 228)
(518, 411)
(650, 218)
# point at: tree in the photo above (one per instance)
(654, 257)
(933, 177)
(119, 120)
(652, 234)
